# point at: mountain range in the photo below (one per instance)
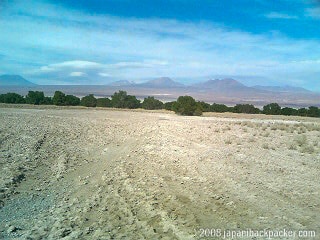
(219, 85)
(214, 85)
(227, 91)
(14, 80)
(163, 82)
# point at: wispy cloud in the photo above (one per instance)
(78, 64)
(313, 12)
(278, 15)
(77, 74)
(102, 74)
(101, 69)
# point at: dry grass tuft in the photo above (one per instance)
(301, 140)
(265, 146)
(266, 134)
(303, 144)
(307, 149)
(292, 147)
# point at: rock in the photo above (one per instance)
(12, 229)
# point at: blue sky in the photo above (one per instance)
(259, 42)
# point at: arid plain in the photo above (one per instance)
(78, 173)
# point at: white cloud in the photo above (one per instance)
(67, 65)
(102, 74)
(77, 74)
(313, 12)
(94, 66)
(278, 15)
(76, 64)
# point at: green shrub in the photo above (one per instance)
(313, 112)
(272, 109)
(168, 105)
(11, 98)
(35, 97)
(186, 105)
(47, 101)
(302, 112)
(71, 100)
(104, 102)
(289, 111)
(245, 108)
(197, 112)
(122, 100)
(89, 101)
(219, 108)
(151, 103)
(59, 98)
(204, 107)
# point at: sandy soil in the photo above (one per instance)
(68, 173)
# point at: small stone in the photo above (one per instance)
(12, 229)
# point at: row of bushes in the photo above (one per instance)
(185, 105)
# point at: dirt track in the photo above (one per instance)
(107, 174)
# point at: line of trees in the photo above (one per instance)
(184, 105)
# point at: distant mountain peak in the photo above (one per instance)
(162, 82)
(225, 83)
(14, 80)
(230, 80)
(121, 83)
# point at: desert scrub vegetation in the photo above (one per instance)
(274, 128)
(302, 144)
(307, 149)
(292, 146)
(227, 128)
(312, 127)
(268, 146)
(283, 127)
(265, 134)
(245, 129)
(184, 105)
(302, 129)
(301, 140)
(277, 126)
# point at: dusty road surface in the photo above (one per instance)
(106, 174)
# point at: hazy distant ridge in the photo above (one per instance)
(163, 82)
(14, 80)
(227, 91)
(282, 89)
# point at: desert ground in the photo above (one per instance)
(78, 173)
